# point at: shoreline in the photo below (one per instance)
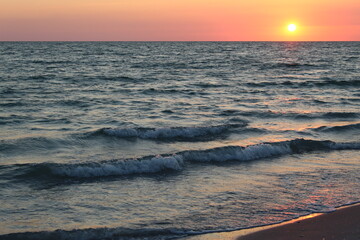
(342, 223)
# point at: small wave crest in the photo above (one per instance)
(288, 65)
(348, 127)
(291, 115)
(305, 84)
(29, 144)
(178, 133)
(340, 115)
(117, 167)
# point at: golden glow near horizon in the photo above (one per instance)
(292, 27)
(179, 20)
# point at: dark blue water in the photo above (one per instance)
(161, 140)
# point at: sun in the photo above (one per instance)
(291, 27)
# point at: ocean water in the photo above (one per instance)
(162, 140)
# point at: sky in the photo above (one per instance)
(179, 20)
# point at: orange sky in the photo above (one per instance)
(179, 20)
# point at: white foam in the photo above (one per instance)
(238, 153)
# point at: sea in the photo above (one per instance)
(166, 140)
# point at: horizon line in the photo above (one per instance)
(179, 40)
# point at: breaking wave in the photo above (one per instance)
(265, 150)
(118, 167)
(177, 162)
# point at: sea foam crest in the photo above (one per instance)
(264, 150)
(238, 153)
(176, 162)
(170, 133)
(118, 167)
(345, 146)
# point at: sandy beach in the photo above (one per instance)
(343, 223)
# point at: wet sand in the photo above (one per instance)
(342, 224)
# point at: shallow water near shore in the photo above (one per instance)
(162, 140)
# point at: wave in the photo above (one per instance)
(14, 118)
(46, 62)
(210, 85)
(338, 83)
(265, 150)
(99, 234)
(118, 167)
(293, 115)
(12, 104)
(306, 84)
(177, 161)
(121, 233)
(115, 78)
(340, 115)
(21, 145)
(172, 133)
(349, 127)
(289, 65)
(152, 91)
(38, 143)
(41, 77)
